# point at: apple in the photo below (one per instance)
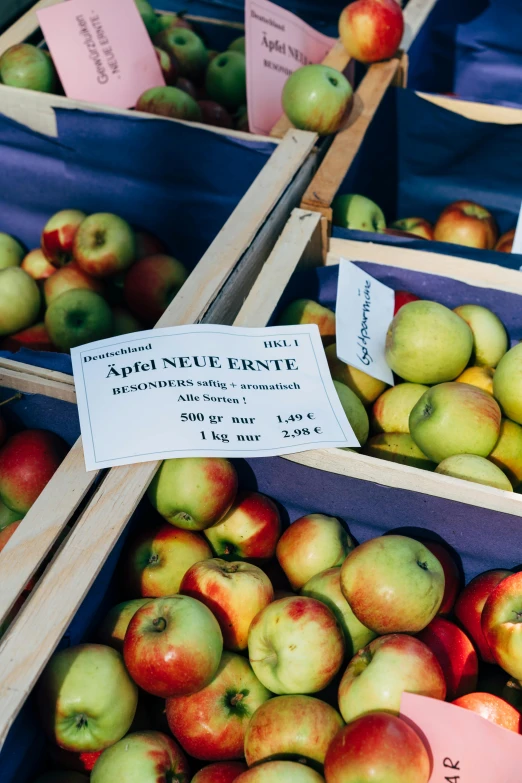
(151, 285)
(507, 381)
(481, 377)
(505, 242)
(87, 700)
(11, 251)
(316, 98)
(234, 592)
(326, 587)
(148, 14)
(124, 322)
(211, 724)
(36, 265)
(238, 45)
(469, 606)
(455, 418)
(363, 385)
(114, 626)
(147, 244)
(8, 516)
(221, 772)
(225, 80)
(291, 727)
(415, 225)
(194, 493)
(455, 654)
(490, 340)
(104, 244)
(358, 212)
(187, 86)
(173, 646)
(70, 278)
(169, 66)
(428, 343)
(295, 645)
(354, 411)
(493, 709)
(61, 776)
(500, 623)
(19, 300)
(213, 113)
(452, 576)
(27, 66)
(402, 298)
(306, 311)
(391, 411)
(394, 584)
(28, 461)
(371, 30)
(310, 545)
(158, 558)
(467, 223)
(147, 756)
(77, 317)
(398, 447)
(188, 48)
(507, 454)
(34, 338)
(469, 467)
(58, 235)
(379, 747)
(250, 530)
(277, 771)
(166, 21)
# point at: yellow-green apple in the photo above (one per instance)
(104, 244)
(402, 298)
(295, 645)
(398, 447)
(210, 725)
(276, 771)
(150, 286)
(234, 592)
(115, 623)
(380, 673)
(36, 265)
(358, 212)
(481, 377)
(148, 244)
(391, 411)
(326, 587)
(507, 454)
(394, 584)
(35, 337)
(469, 606)
(19, 300)
(157, 560)
(310, 545)
(415, 225)
(364, 386)
(169, 102)
(316, 98)
(490, 340)
(221, 772)
(76, 317)
(379, 747)
(169, 66)
(249, 531)
(291, 727)
(58, 235)
(455, 654)
(452, 575)
(27, 66)
(70, 278)
(62, 776)
(124, 322)
(501, 624)
(11, 251)
(371, 30)
(507, 382)
(467, 223)
(173, 646)
(455, 418)
(238, 45)
(193, 493)
(469, 467)
(87, 699)
(505, 242)
(354, 410)
(492, 708)
(7, 516)
(306, 311)
(213, 113)
(147, 756)
(28, 461)
(428, 343)
(188, 48)
(225, 80)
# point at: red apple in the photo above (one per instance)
(151, 285)
(35, 338)
(377, 747)
(469, 606)
(104, 245)
(173, 646)
(168, 64)
(67, 759)
(68, 278)
(455, 653)
(452, 576)
(415, 226)
(36, 265)
(371, 30)
(58, 235)
(505, 242)
(250, 530)
(467, 223)
(147, 244)
(222, 772)
(501, 624)
(402, 298)
(492, 708)
(211, 724)
(144, 756)
(213, 113)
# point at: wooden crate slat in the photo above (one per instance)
(32, 384)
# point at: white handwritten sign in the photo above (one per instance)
(363, 314)
(203, 390)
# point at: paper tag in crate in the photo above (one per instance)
(277, 44)
(363, 313)
(101, 50)
(202, 390)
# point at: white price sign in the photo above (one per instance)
(204, 390)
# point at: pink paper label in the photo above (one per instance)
(465, 748)
(277, 44)
(101, 50)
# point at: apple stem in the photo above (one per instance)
(236, 699)
(17, 396)
(159, 624)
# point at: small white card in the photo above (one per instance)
(363, 314)
(205, 390)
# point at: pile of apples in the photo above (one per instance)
(273, 656)
(93, 277)
(460, 223)
(457, 405)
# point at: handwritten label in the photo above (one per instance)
(363, 314)
(102, 51)
(277, 44)
(216, 391)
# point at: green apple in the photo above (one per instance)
(237, 45)
(27, 66)
(149, 16)
(490, 340)
(142, 757)
(507, 454)
(112, 629)
(20, 300)
(455, 418)
(7, 515)
(11, 251)
(391, 411)
(306, 311)
(357, 212)
(354, 410)
(225, 81)
(398, 447)
(507, 383)
(124, 322)
(428, 343)
(469, 467)
(362, 384)
(169, 102)
(188, 49)
(315, 98)
(77, 317)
